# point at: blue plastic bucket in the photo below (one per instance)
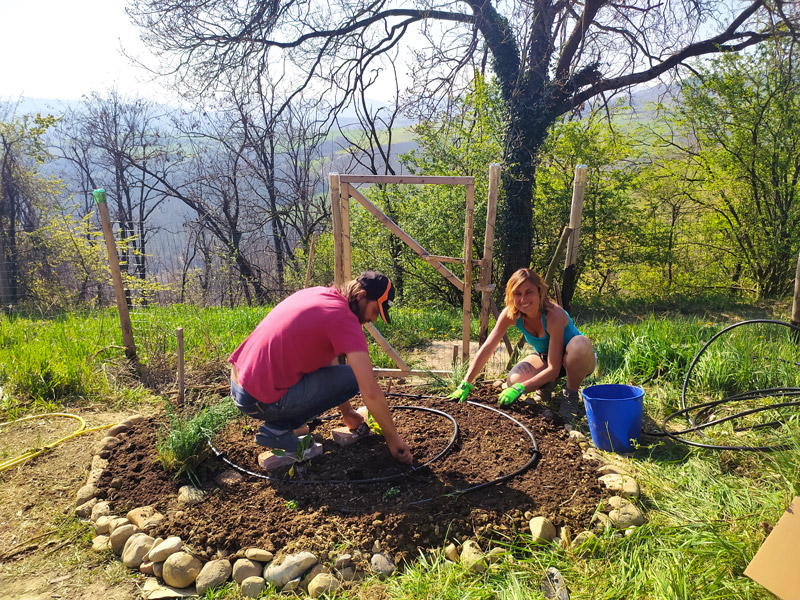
(614, 412)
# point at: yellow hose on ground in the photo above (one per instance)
(31, 453)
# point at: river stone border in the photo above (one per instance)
(173, 571)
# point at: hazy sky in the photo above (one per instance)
(64, 49)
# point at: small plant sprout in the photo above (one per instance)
(392, 492)
(298, 454)
(292, 505)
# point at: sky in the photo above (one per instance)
(62, 49)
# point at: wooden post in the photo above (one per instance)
(181, 387)
(116, 276)
(796, 300)
(336, 215)
(344, 203)
(488, 246)
(310, 258)
(468, 224)
(578, 190)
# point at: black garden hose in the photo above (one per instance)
(771, 392)
(355, 481)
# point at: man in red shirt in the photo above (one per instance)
(286, 372)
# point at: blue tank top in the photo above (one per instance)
(542, 344)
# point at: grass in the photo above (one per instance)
(706, 509)
(183, 446)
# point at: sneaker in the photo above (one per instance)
(277, 438)
(570, 405)
(543, 394)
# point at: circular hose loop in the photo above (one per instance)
(33, 453)
(687, 411)
(354, 481)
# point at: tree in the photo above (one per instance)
(550, 56)
(740, 135)
(23, 190)
(112, 142)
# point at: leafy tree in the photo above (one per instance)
(113, 142)
(740, 135)
(549, 56)
(23, 190)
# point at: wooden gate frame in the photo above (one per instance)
(342, 189)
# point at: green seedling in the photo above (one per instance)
(298, 454)
(373, 424)
(392, 492)
(291, 505)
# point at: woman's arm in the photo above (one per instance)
(556, 320)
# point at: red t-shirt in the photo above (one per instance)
(302, 334)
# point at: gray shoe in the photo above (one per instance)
(544, 393)
(277, 438)
(571, 406)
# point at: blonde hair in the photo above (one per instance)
(517, 279)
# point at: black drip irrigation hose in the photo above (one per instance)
(772, 392)
(355, 481)
(535, 455)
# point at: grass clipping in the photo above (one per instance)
(185, 445)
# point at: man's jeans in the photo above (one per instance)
(308, 398)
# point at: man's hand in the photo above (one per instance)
(508, 396)
(400, 451)
(461, 392)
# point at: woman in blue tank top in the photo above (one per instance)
(559, 348)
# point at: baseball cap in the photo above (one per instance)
(378, 287)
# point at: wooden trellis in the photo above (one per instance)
(343, 188)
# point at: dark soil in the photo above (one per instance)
(327, 505)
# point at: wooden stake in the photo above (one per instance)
(488, 248)
(570, 275)
(467, 306)
(116, 276)
(347, 261)
(336, 214)
(796, 300)
(310, 258)
(181, 387)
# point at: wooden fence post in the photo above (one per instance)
(796, 300)
(570, 275)
(116, 276)
(181, 386)
(488, 248)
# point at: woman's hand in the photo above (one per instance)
(461, 392)
(509, 396)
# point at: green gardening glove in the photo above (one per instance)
(461, 392)
(508, 396)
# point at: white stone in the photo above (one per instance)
(145, 517)
(252, 587)
(181, 569)
(101, 543)
(472, 557)
(160, 552)
(101, 509)
(189, 495)
(137, 546)
(86, 493)
(258, 554)
(321, 584)
(213, 574)
(84, 511)
(292, 567)
(120, 535)
(244, 568)
(542, 530)
(451, 553)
